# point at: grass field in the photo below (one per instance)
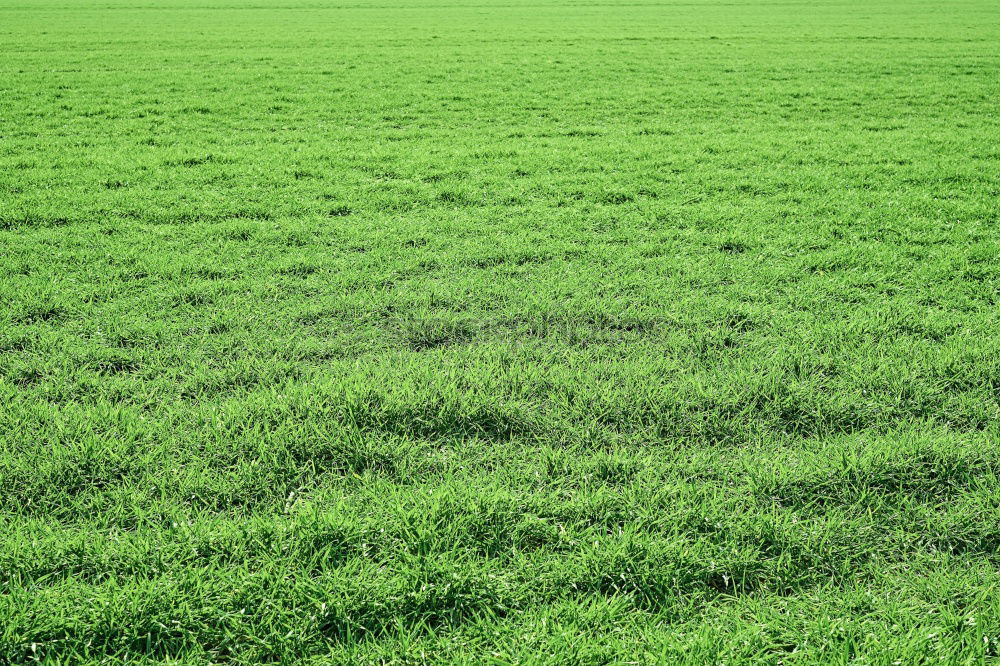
(499, 332)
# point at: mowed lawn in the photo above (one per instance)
(436, 331)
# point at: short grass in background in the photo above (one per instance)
(499, 332)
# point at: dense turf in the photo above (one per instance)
(556, 332)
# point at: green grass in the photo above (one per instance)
(497, 332)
